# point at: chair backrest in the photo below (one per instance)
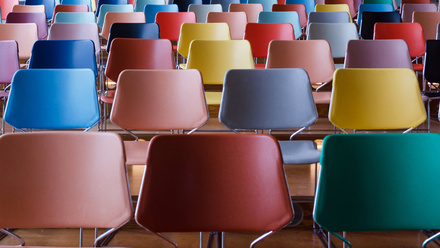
(369, 19)
(404, 183)
(37, 18)
(120, 17)
(151, 10)
(267, 4)
(6, 7)
(412, 33)
(403, 2)
(51, 54)
(109, 2)
(68, 104)
(373, 8)
(337, 35)
(291, 17)
(105, 8)
(409, 8)
(170, 23)
(201, 31)
(379, 2)
(258, 172)
(299, 8)
(183, 4)
(133, 30)
(432, 61)
(9, 62)
(236, 21)
(376, 99)
(76, 31)
(74, 17)
(225, 3)
(267, 99)
(49, 5)
(429, 21)
(202, 10)
(213, 58)
(350, 3)
(377, 54)
(140, 4)
(69, 8)
(24, 33)
(159, 100)
(329, 17)
(78, 2)
(333, 8)
(58, 168)
(261, 34)
(28, 8)
(252, 10)
(312, 55)
(310, 4)
(129, 53)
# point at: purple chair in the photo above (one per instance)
(30, 17)
(409, 8)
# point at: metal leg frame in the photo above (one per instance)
(9, 232)
(430, 233)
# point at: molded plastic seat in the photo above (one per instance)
(151, 10)
(58, 168)
(333, 8)
(252, 10)
(362, 99)
(158, 100)
(24, 33)
(299, 8)
(400, 168)
(380, 2)
(429, 22)
(9, 64)
(105, 8)
(257, 165)
(120, 17)
(28, 8)
(431, 72)
(183, 4)
(76, 31)
(373, 8)
(224, 3)
(267, 4)
(291, 17)
(74, 17)
(140, 4)
(133, 30)
(49, 6)
(202, 10)
(69, 104)
(409, 8)
(109, 2)
(37, 18)
(170, 23)
(78, 2)
(329, 17)
(309, 4)
(403, 2)
(350, 3)
(69, 8)
(6, 7)
(370, 18)
(236, 21)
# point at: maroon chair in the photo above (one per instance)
(30, 17)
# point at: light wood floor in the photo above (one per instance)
(301, 183)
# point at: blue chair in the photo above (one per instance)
(310, 4)
(267, 4)
(75, 17)
(57, 54)
(74, 2)
(104, 8)
(151, 10)
(133, 30)
(49, 6)
(66, 99)
(140, 4)
(384, 7)
(183, 4)
(101, 2)
(291, 17)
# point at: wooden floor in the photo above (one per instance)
(301, 183)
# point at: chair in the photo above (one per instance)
(379, 2)
(78, 2)
(157, 100)
(267, 4)
(183, 4)
(132, 30)
(120, 17)
(236, 21)
(259, 174)
(69, 8)
(6, 7)
(409, 8)
(49, 6)
(329, 17)
(400, 168)
(170, 23)
(260, 35)
(350, 3)
(109, 2)
(140, 4)
(9, 64)
(24, 33)
(224, 3)
(76, 31)
(366, 29)
(430, 71)
(105, 8)
(403, 2)
(151, 10)
(291, 17)
(333, 8)
(309, 4)
(428, 21)
(373, 8)
(362, 99)
(213, 58)
(74, 17)
(202, 10)
(58, 168)
(252, 10)
(28, 8)
(70, 104)
(299, 8)
(37, 18)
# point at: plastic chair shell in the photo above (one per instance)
(9, 62)
(252, 10)
(24, 33)
(109, 2)
(202, 10)
(120, 17)
(309, 4)
(151, 10)
(140, 4)
(183, 4)
(429, 22)
(74, 17)
(170, 23)
(236, 21)
(37, 18)
(329, 17)
(267, 4)
(133, 30)
(6, 7)
(49, 6)
(291, 17)
(78, 2)
(224, 3)
(373, 8)
(112, 8)
(28, 8)
(409, 8)
(76, 31)
(299, 8)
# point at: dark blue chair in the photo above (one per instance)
(370, 18)
(101, 2)
(183, 4)
(49, 5)
(133, 30)
(151, 10)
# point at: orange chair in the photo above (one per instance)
(299, 8)
(252, 10)
(120, 17)
(236, 21)
(170, 23)
(157, 100)
(6, 7)
(66, 184)
(69, 8)
(24, 33)
(241, 188)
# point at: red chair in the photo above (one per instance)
(260, 35)
(299, 8)
(6, 7)
(170, 22)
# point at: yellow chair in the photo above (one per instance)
(333, 8)
(376, 99)
(213, 58)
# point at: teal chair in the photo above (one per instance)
(104, 8)
(310, 4)
(151, 10)
(379, 182)
(75, 17)
(291, 17)
(140, 4)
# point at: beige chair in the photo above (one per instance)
(24, 33)
(28, 8)
(252, 10)
(236, 21)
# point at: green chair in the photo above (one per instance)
(379, 182)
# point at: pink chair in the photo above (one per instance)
(252, 10)
(30, 17)
(24, 33)
(6, 7)
(236, 21)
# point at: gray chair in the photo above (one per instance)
(329, 17)
(224, 3)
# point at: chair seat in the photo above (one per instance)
(109, 97)
(4, 94)
(213, 98)
(418, 67)
(299, 152)
(136, 152)
(260, 66)
(322, 97)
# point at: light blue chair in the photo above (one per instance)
(379, 7)
(104, 8)
(267, 4)
(75, 17)
(140, 4)
(291, 17)
(310, 4)
(151, 10)
(75, 2)
(102, 2)
(53, 99)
